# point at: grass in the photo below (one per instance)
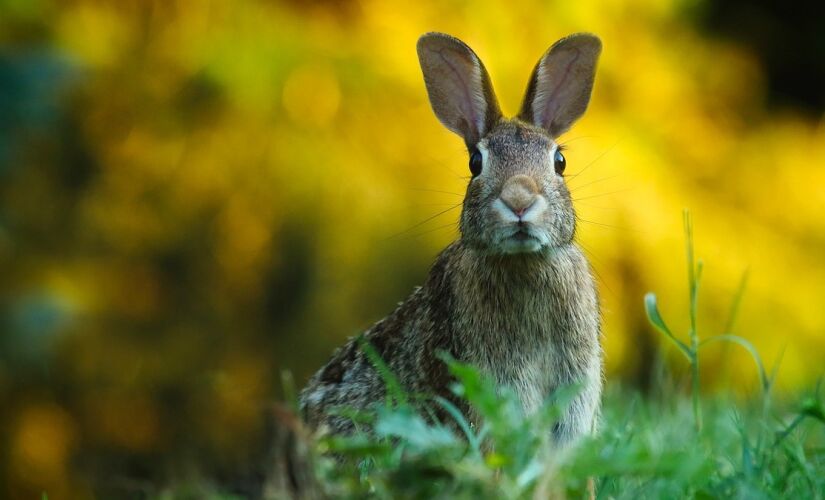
(665, 445)
(647, 448)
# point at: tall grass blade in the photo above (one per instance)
(394, 388)
(735, 339)
(290, 392)
(737, 301)
(656, 320)
(814, 408)
(463, 424)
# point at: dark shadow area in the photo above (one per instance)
(787, 37)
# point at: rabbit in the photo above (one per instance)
(514, 295)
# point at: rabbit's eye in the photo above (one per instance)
(475, 163)
(559, 162)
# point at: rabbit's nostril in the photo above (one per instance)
(519, 207)
(521, 211)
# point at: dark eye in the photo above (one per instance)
(475, 163)
(559, 162)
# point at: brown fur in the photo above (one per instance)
(513, 296)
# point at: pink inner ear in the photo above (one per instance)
(462, 87)
(547, 102)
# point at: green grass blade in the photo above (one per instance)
(462, 422)
(733, 313)
(691, 268)
(656, 320)
(694, 276)
(412, 429)
(763, 375)
(775, 369)
(392, 384)
(694, 301)
(688, 225)
(290, 392)
(784, 433)
(814, 408)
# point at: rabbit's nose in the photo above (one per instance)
(519, 194)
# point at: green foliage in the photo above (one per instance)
(409, 454)
(645, 449)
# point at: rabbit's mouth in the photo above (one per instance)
(522, 240)
(522, 235)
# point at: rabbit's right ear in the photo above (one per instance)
(458, 85)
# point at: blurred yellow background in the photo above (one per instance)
(195, 196)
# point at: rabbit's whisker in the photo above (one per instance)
(428, 219)
(592, 162)
(602, 194)
(574, 139)
(428, 231)
(619, 228)
(579, 219)
(576, 188)
(436, 191)
(457, 175)
(593, 268)
(596, 206)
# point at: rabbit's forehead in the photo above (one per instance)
(515, 143)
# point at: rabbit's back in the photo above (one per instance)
(407, 342)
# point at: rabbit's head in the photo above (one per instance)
(517, 200)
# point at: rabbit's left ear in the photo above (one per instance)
(560, 86)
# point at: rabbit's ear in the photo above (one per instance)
(560, 85)
(458, 85)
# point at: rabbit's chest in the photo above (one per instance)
(533, 343)
(535, 330)
(522, 354)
